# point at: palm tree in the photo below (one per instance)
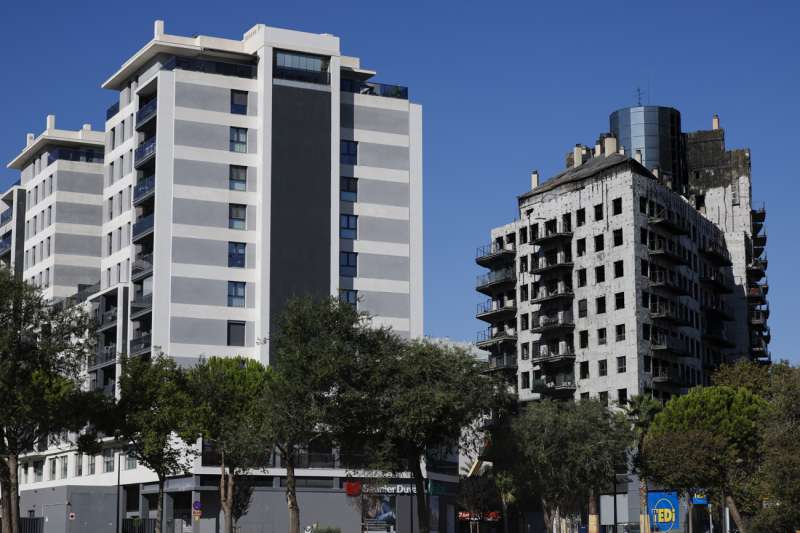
(641, 410)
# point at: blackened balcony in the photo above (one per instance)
(716, 253)
(142, 266)
(552, 353)
(502, 362)
(553, 235)
(757, 268)
(717, 281)
(671, 224)
(146, 112)
(757, 293)
(493, 254)
(668, 251)
(552, 264)
(497, 279)
(661, 345)
(717, 337)
(758, 319)
(558, 386)
(374, 89)
(759, 214)
(667, 311)
(760, 240)
(668, 281)
(544, 295)
(551, 323)
(145, 152)
(667, 377)
(144, 189)
(140, 344)
(494, 311)
(492, 336)
(759, 347)
(718, 309)
(142, 227)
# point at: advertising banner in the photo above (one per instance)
(664, 509)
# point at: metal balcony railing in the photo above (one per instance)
(85, 155)
(104, 354)
(495, 277)
(142, 264)
(716, 252)
(668, 250)
(541, 323)
(666, 343)
(491, 308)
(492, 252)
(300, 74)
(662, 279)
(552, 234)
(140, 343)
(502, 362)
(670, 222)
(221, 68)
(492, 336)
(545, 295)
(545, 264)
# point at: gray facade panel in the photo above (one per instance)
(202, 97)
(383, 192)
(383, 156)
(386, 304)
(203, 213)
(383, 229)
(199, 252)
(202, 135)
(79, 182)
(205, 331)
(66, 243)
(198, 291)
(71, 213)
(207, 174)
(301, 191)
(374, 119)
(383, 267)
(72, 276)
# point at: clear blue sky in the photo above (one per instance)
(506, 88)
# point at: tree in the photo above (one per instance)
(725, 422)
(478, 494)
(432, 402)
(641, 411)
(152, 411)
(314, 348)
(567, 452)
(42, 350)
(229, 414)
(752, 376)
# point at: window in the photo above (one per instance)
(92, 464)
(348, 189)
(599, 243)
(619, 269)
(583, 339)
(526, 380)
(348, 226)
(236, 332)
(602, 367)
(598, 212)
(643, 236)
(237, 254)
(580, 217)
(78, 464)
(525, 351)
(52, 468)
(643, 205)
(108, 460)
(620, 332)
(524, 321)
(621, 364)
(38, 471)
(348, 264)
(646, 332)
(348, 152)
(599, 274)
(645, 299)
(238, 102)
(238, 140)
(237, 178)
(237, 216)
(584, 370)
(523, 293)
(618, 237)
(62, 466)
(604, 398)
(582, 308)
(236, 293)
(582, 277)
(616, 206)
(584, 396)
(602, 338)
(349, 296)
(619, 300)
(600, 303)
(130, 462)
(581, 247)
(622, 396)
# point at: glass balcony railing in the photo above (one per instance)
(112, 110)
(301, 74)
(84, 155)
(146, 111)
(144, 188)
(5, 217)
(374, 89)
(104, 354)
(145, 151)
(5, 245)
(140, 343)
(505, 275)
(211, 67)
(142, 264)
(142, 226)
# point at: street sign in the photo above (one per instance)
(197, 514)
(699, 498)
(197, 506)
(664, 510)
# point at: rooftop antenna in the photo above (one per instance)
(638, 96)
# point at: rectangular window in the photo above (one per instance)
(525, 351)
(130, 462)
(526, 380)
(108, 460)
(600, 274)
(348, 296)
(52, 467)
(236, 333)
(618, 237)
(621, 364)
(643, 205)
(580, 247)
(620, 332)
(619, 300)
(600, 303)
(580, 217)
(237, 178)
(619, 269)
(238, 140)
(582, 308)
(602, 338)
(602, 367)
(348, 226)
(92, 464)
(583, 339)
(582, 277)
(348, 152)
(237, 254)
(348, 188)
(616, 206)
(238, 102)
(603, 398)
(62, 466)
(236, 293)
(78, 464)
(348, 264)
(584, 370)
(38, 471)
(524, 321)
(598, 212)
(599, 243)
(237, 216)
(622, 396)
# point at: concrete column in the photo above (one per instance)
(168, 512)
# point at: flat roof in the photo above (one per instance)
(82, 137)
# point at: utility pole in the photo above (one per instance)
(119, 471)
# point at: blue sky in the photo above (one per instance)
(506, 88)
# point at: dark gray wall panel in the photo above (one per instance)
(205, 331)
(374, 119)
(383, 192)
(386, 304)
(383, 156)
(65, 243)
(79, 182)
(71, 213)
(383, 229)
(383, 267)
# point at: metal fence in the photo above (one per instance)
(30, 525)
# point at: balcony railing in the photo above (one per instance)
(502, 362)
(488, 254)
(545, 295)
(553, 235)
(140, 344)
(142, 300)
(492, 309)
(104, 354)
(375, 89)
(666, 376)
(672, 224)
(718, 281)
(146, 112)
(759, 214)
(665, 310)
(758, 318)
(144, 188)
(142, 227)
(107, 318)
(211, 67)
(756, 293)
(667, 344)
(84, 155)
(490, 336)
(496, 277)
(717, 253)
(144, 152)
(112, 110)
(559, 385)
(669, 251)
(543, 323)
(142, 264)
(552, 353)
(5, 245)
(5, 217)
(662, 279)
(300, 74)
(546, 264)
